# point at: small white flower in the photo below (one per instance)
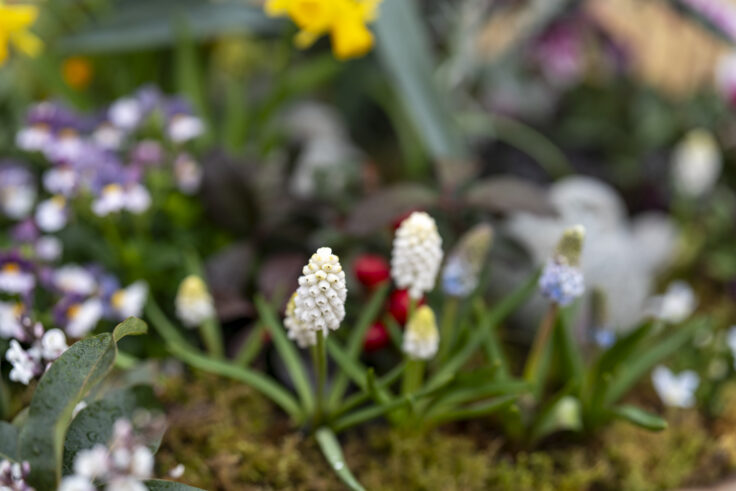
(110, 200)
(675, 390)
(17, 202)
(137, 199)
(319, 304)
(60, 180)
(188, 174)
(125, 113)
(67, 147)
(81, 406)
(84, 317)
(421, 339)
(51, 215)
(417, 254)
(184, 127)
(193, 301)
(141, 462)
(109, 136)
(76, 483)
(177, 471)
(75, 279)
(696, 163)
(26, 364)
(10, 326)
(125, 483)
(53, 344)
(13, 279)
(33, 138)
(676, 305)
(92, 463)
(295, 329)
(48, 248)
(129, 301)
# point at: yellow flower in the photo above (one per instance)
(344, 20)
(15, 21)
(77, 72)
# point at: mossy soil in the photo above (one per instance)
(229, 437)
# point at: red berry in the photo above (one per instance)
(371, 270)
(398, 305)
(376, 338)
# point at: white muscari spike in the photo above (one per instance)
(319, 303)
(194, 304)
(422, 338)
(295, 329)
(417, 254)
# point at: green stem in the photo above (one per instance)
(540, 343)
(251, 347)
(413, 376)
(320, 368)
(211, 335)
(447, 331)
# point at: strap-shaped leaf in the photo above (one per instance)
(94, 424)
(355, 341)
(333, 453)
(67, 381)
(8, 441)
(639, 417)
(289, 354)
(474, 411)
(163, 485)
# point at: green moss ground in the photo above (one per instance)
(229, 437)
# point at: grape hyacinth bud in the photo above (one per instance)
(696, 163)
(319, 303)
(562, 281)
(675, 390)
(417, 254)
(422, 339)
(295, 329)
(462, 270)
(194, 304)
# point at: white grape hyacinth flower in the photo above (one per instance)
(417, 254)
(696, 163)
(319, 304)
(295, 330)
(422, 338)
(194, 304)
(675, 390)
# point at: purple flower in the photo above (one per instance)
(17, 190)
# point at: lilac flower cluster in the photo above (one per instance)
(122, 465)
(13, 476)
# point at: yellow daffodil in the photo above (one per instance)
(15, 21)
(345, 21)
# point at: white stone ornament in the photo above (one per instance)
(319, 304)
(417, 254)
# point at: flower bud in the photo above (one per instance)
(376, 338)
(462, 270)
(422, 338)
(417, 254)
(371, 270)
(562, 281)
(398, 305)
(194, 303)
(319, 303)
(696, 163)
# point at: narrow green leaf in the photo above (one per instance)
(333, 453)
(251, 347)
(464, 395)
(639, 417)
(474, 411)
(288, 352)
(162, 485)
(8, 441)
(369, 413)
(354, 369)
(639, 364)
(94, 424)
(569, 351)
(355, 341)
(67, 381)
(404, 51)
(132, 326)
(257, 380)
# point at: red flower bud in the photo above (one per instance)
(398, 305)
(372, 270)
(376, 338)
